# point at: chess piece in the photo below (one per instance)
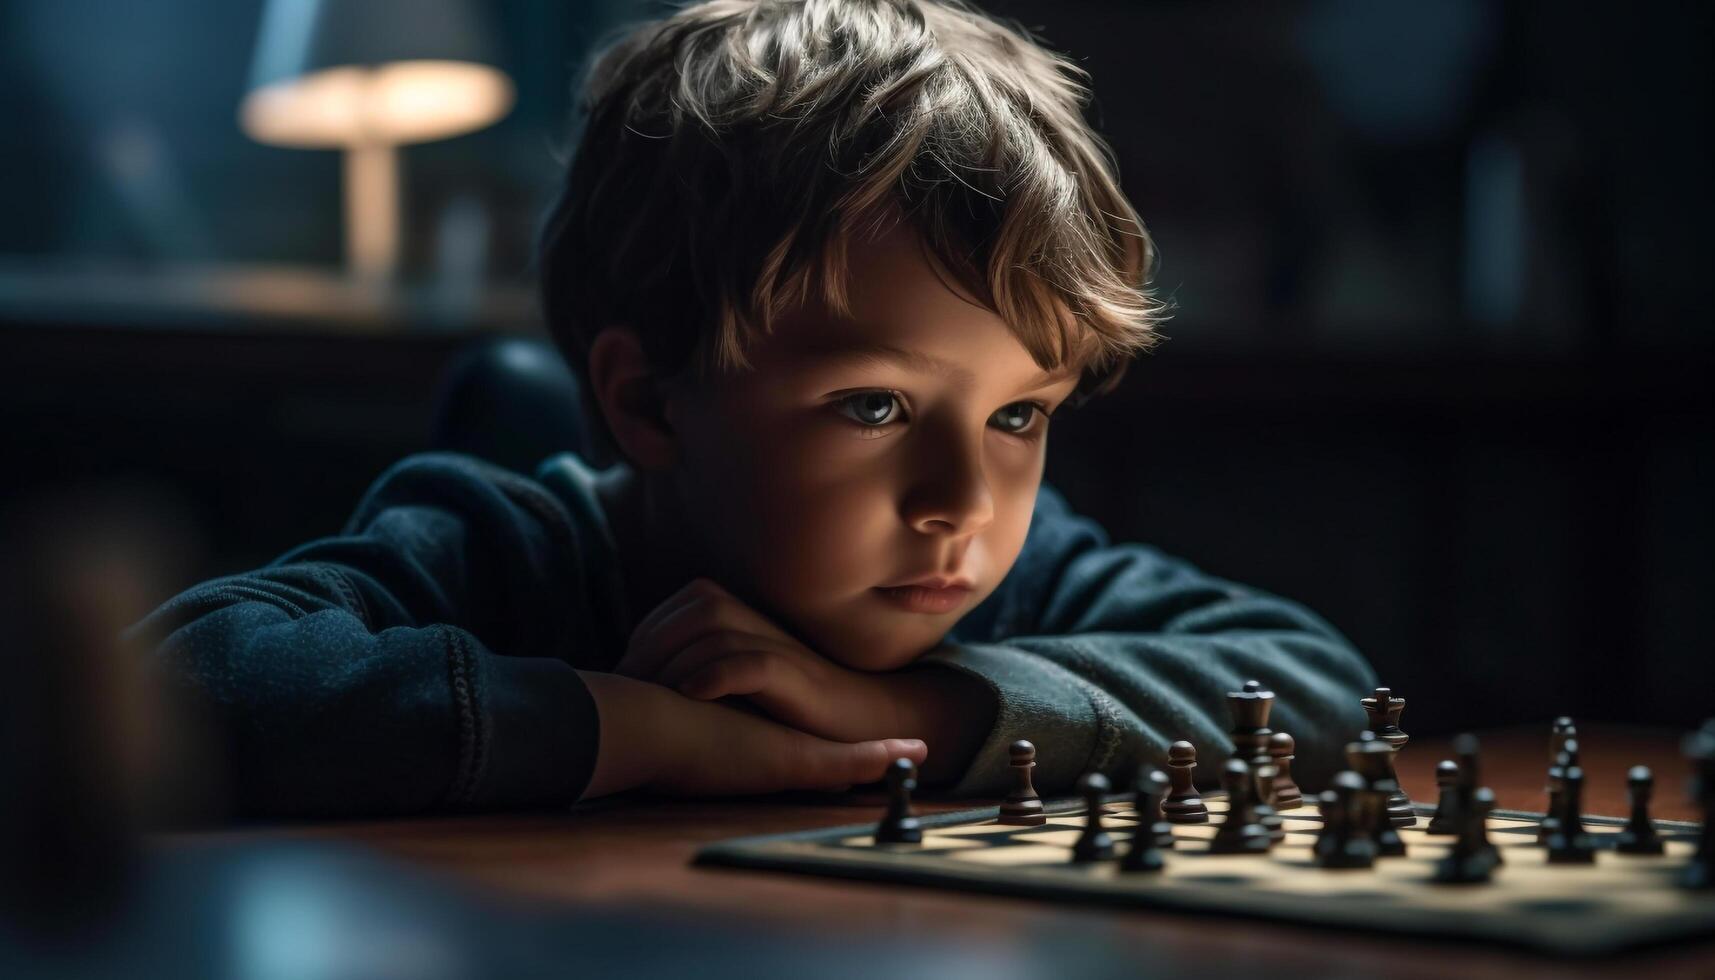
(1287, 795)
(1147, 804)
(1472, 858)
(1023, 808)
(1250, 708)
(1384, 710)
(1264, 773)
(1239, 833)
(1145, 851)
(1345, 840)
(1183, 804)
(1550, 823)
(1558, 737)
(1094, 844)
(1639, 834)
(1569, 844)
(1445, 820)
(898, 825)
(1372, 758)
(1699, 747)
(1467, 789)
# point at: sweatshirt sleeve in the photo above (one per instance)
(1104, 654)
(424, 659)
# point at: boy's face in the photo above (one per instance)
(812, 488)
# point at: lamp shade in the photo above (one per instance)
(336, 73)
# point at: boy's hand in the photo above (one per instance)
(654, 739)
(706, 643)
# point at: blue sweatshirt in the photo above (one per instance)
(426, 658)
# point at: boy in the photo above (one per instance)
(824, 268)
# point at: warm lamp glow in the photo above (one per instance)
(399, 102)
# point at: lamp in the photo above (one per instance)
(367, 76)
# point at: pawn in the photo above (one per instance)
(1472, 858)
(1287, 795)
(1023, 808)
(1639, 835)
(1145, 851)
(1183, 804)
(1239, 833)
(1466, 747)
(1094, 844)
(1564, 739)
(1265, 773)
(1569, 844)
(898, 825)
(1445, 821)
(1345, 840)
(1146, 803)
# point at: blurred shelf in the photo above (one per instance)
(226, 297)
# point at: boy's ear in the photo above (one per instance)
(629, 392)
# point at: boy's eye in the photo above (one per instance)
(875, 409)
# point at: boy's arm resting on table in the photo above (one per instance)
(1104, 654)
(348, 675)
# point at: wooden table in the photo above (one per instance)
(636, 854)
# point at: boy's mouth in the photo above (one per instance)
(917, 598)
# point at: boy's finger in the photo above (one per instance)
(844, 763)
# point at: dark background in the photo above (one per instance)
(1438, 367)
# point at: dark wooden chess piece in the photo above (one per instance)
(1023, 808)
(1465, 746)
(1372, 758)
(1146, 842)
(1287, 795)
(1569, 844)
(1239, 833)
(1183, 804)
(1264, 772)
(1345, 840)
(1094, 844)
(1562, 733)
(1472, 858)
(898, 825)
(1699, 747)
(1249, 708)
(1639, 834)
(1445, 820)
(1148, 806)
(1384, 710)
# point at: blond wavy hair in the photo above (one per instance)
(731, 151)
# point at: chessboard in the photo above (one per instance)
(1620, 901)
